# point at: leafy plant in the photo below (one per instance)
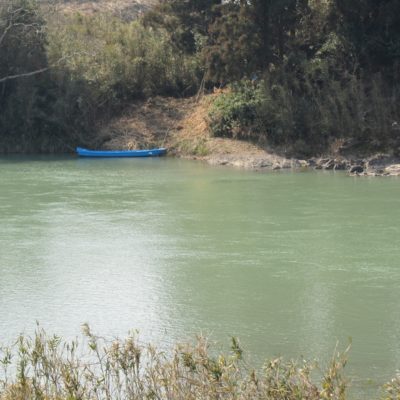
(235, 112)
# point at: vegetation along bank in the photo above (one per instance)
(46, 367)
(274, 81)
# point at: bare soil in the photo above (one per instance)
(181, 126)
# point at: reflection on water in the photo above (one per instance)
(290, 263)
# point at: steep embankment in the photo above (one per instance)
(181, 125)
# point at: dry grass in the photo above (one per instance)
(194, 132)
(181, 124)
(46, 368)
(146, 124)
(126, 9)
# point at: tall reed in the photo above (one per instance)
(45, 367)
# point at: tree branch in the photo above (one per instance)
(37, 71)
(24, 75)
(3, 35)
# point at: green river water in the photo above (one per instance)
(290, 263)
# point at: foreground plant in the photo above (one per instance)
(47, 368)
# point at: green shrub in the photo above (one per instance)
(304, 114)
(314, 111)
(235, 112)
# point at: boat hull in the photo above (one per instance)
(121, 153)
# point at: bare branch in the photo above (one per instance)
(24, 75)
(13, 16)
(41, 70)
(4, 34)
(13, 20)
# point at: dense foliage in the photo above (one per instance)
(303, 74)
(63, 76)
(324, 72)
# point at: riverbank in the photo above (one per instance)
(377, 165)
(181, 124)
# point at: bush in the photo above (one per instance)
(122, 60)
(304, 114)
(315, 112)
(235, 112)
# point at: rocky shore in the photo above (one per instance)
(377, 165)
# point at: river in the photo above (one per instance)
(290, 263)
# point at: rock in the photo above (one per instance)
(286, 164)
(328, 165)
(276, 167)
(393, 170)
(356, 169)
(217, 161)
(239, 164)
(340, 165)
(323, 163)
(357, 161)
(264, 164)
(302, 163)
(379, 160)
(311, 162)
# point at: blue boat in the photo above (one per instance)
(121, 153)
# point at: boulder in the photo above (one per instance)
(380, 160)
(264, 163)
(239, 163)
(302, 163)
(286, 164)
(393, 170)
(356, 169)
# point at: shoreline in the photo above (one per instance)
(376, 165)
(181, 125)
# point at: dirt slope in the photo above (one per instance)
(181, 126)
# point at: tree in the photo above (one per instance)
(25, 95)
(234, 43)
(22, 40)
(187, 21)
(249, 35)
(373, 27)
